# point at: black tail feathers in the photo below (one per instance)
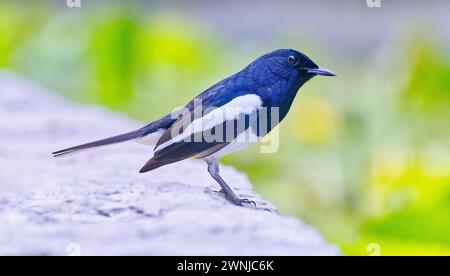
(107, 141)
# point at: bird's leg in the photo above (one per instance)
(213, 169)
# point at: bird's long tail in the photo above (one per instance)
(107, 141)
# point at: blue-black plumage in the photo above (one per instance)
(232, 108)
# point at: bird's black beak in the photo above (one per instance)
(320, 71)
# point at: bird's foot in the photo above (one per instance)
(237, 201)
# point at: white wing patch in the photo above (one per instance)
(246, 104)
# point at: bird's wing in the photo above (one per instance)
(207, 130)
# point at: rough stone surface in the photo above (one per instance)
(96, 203)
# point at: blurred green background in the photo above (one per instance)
(363, 157)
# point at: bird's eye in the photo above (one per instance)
(293, 60)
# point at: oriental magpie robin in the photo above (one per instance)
(226, 117)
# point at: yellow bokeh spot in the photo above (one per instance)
(388, 166)
(317, 121)
(165, 43)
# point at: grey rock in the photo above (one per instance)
(96, 202)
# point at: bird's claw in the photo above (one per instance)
(238, 201)
(247, 201)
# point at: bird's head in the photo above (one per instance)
(281, 73)
(289, 64)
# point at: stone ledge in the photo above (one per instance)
(95, 202)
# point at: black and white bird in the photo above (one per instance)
(229, 116)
